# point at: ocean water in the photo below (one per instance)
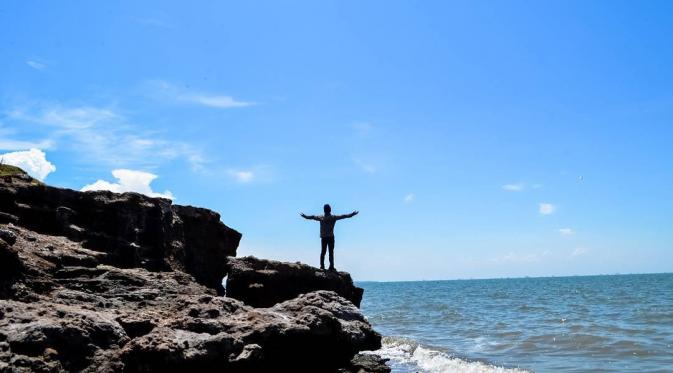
(620, 323)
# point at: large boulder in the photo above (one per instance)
(263, 283)
(133, 230)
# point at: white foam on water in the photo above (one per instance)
(406, 353)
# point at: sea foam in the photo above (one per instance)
(408, 356)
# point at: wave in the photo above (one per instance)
(407, 355)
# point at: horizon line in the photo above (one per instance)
(522, 277)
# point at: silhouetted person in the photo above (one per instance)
(327, 222)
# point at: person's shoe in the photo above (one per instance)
(322, 268)
(332, 269)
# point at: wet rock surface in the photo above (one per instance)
(82, 300)
(263, 283)
(366, 363)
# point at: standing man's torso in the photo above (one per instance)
(327, 225)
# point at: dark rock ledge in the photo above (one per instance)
(104, 282)
(263, 283)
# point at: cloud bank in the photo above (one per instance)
(129, 181)
(8, 144)
(103, 136)
(33, 161)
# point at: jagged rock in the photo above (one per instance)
(10, 268)
(104, 318)
(94, 300)
(263, 283)
(8, 236)
(366, 363)
(73, 336)
(8, 218)
(132, 229)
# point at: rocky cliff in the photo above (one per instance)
(108, 282)
(131, 229)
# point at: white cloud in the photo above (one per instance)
(129, 181)
(513, 187)
(363, 128)
(411, 197)
(33, 161)
(221, 102)
(79, 118)
(36, 65)
(566, 231)
(103, 136)
(242, 176)
(579, 252)
(519, 257)
(9, 144)
(365, 166)
(172, 92)
(155, 21)
(254, 174)
(546, 208)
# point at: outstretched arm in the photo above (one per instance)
(309, 217)
(339, 217)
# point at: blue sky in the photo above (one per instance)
(477, 139)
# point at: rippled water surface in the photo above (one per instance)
(570, 324)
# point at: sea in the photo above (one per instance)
(611, 323)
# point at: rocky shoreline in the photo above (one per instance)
(105, 282)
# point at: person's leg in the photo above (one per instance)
(323, 243)
(330, 244)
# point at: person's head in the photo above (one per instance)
(327, 209)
